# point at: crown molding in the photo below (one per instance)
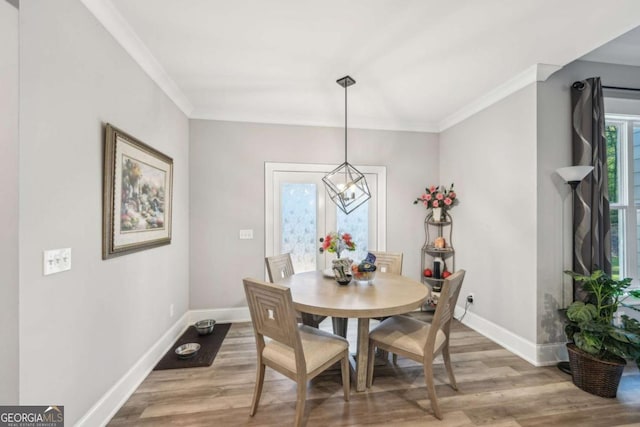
(428, 127)
(535, 73)
(389, 125)
(107, 14)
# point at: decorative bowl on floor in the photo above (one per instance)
(188, 350)
(205, 327)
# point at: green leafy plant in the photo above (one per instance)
(592, 325)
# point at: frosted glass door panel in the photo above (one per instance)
(298, 224)
(356, 224)
(298, 220)
(360, 224)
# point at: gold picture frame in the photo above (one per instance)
(138, 193)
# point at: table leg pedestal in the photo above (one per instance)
(362, 354)
(340, 326)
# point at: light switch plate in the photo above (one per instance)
(246, 234)
(56, 260)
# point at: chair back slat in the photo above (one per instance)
(445, 307)
(279, 267)
(272, 312)
(388, 262)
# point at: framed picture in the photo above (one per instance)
(137, 190)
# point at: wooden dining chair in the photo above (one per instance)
(280, 267)
(297, 351)
(421, 341)
(388, 262)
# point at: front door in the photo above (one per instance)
(299, 212)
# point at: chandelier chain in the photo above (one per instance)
(345, 123)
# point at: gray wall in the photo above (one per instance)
(491, 158)
(553, 209)
(510, 152)
(554, 151)
(9, 206)
(82, 330)
(227, 194)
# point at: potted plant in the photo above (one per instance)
(602, 340)
(438, 198)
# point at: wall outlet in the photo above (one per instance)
(56, 260)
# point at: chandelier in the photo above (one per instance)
(346, 185)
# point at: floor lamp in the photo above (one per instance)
(572, 175)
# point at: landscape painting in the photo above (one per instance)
(143, 196)
(137, 195)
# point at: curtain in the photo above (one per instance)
(591, 221)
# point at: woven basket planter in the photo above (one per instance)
(593, 375)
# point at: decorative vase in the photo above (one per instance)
(437, 214)
(341, 268)
(595, 376)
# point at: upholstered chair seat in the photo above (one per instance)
(406, 334)
(318, 347)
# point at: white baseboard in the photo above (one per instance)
(536, 354)
(105, 408)
(221, 315)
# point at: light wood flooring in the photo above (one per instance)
(496, 388)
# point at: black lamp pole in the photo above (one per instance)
(565, 366)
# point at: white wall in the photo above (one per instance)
(82, 330)
(9, 207)
(491, 157)
(227, 194)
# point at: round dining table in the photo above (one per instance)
(389, 294)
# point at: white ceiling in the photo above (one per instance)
(419, 64)
(622, 50)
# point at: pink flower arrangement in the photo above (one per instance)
(336, 243)
(438, 197)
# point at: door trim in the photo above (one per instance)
(271, 167)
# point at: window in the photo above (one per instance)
(623, 163)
